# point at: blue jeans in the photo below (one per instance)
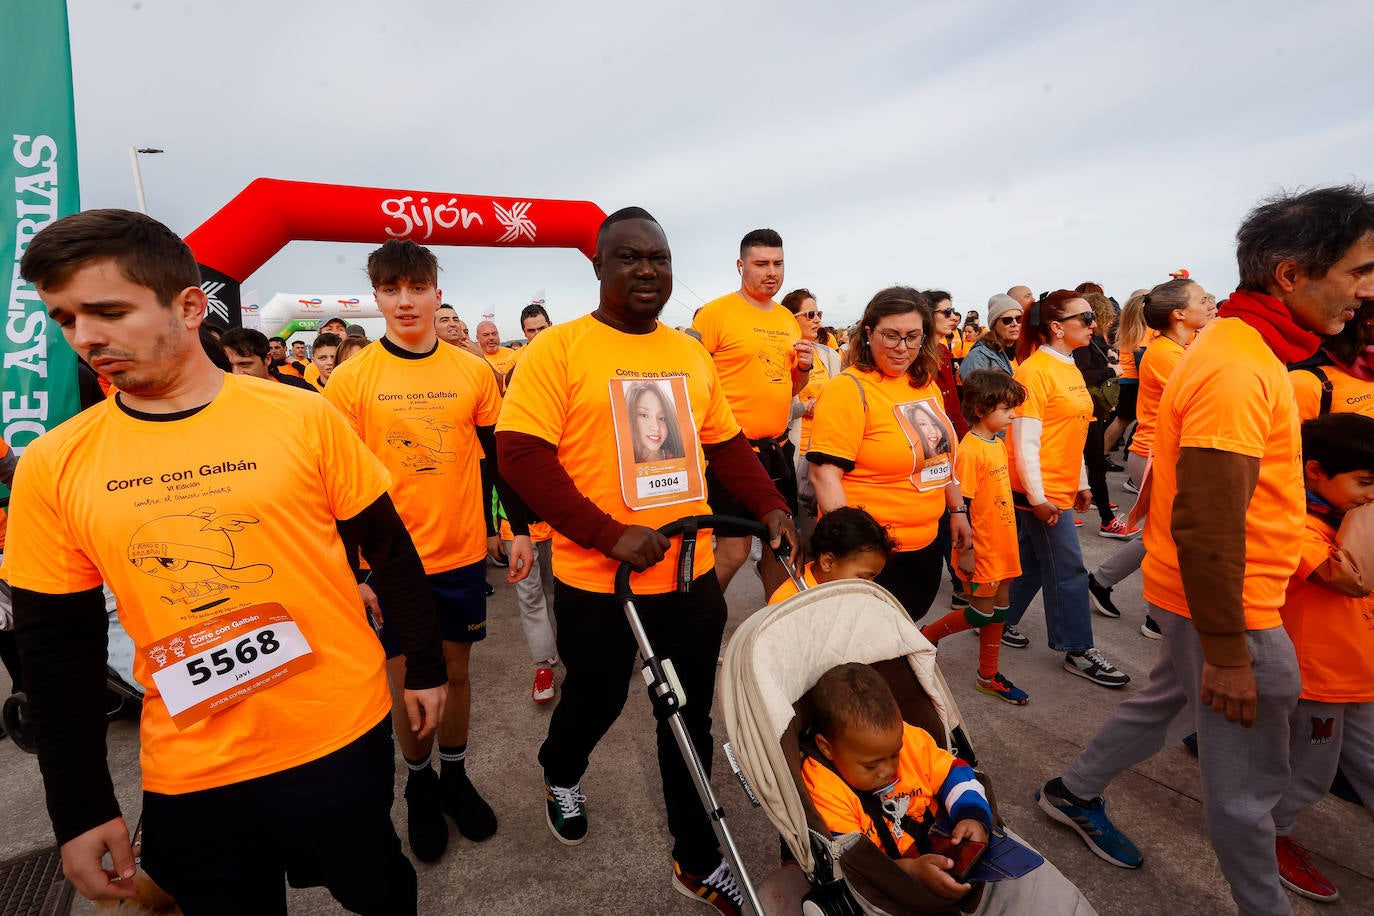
(1051, 559)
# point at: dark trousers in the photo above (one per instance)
(326, 823)
(913, 578)
(1097, 470)
(598, 650)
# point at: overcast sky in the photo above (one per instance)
(970, 145)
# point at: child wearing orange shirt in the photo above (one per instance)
(1328, 615)
(848, 544)
(988, 567)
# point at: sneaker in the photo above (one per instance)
(501, 559)
(566, 813)
(1091, 665)
(1150, 629)
(542, 691)
(489, 589)
(1014, 638)
(1101, 596)
(1078, 523)
(426, 828)
(1112, 466)
(1118, 529)
(469, 810)
(958, 601)
(1000, 687)
(718, 889)
(1299, 875)
(1130, 487)
(1090, 822)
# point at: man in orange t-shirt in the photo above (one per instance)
(428, 411)
(763, 362)
(245, 619)
(606, 431)
(1226, 523)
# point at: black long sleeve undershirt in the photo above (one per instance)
(400, 580)
(516, 511)
(62, 645)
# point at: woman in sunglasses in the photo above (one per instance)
(996, 349)
(1049, 479)
(868, 451)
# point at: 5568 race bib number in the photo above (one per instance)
(213, 665)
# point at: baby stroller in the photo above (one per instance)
(123, 695)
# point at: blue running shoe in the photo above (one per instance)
(1000, 687)
(1091, 823)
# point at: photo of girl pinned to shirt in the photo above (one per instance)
(655, 434)
(932, 432)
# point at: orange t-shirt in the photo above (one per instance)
(752, 350)
(985, 479)
(503, 360)
(181, 518)
(581, 387)
(1057, 396)
(1348, 393)
(899, 476)
(1159, 362)
(1333, 634)
(815, 382)
(539, 532)
(922, 769)
(420, 416)
(789, 588)
(1230, 393)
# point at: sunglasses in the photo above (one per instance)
(1009, 319)
(1088, 318)
(948, 313)
(811, 315)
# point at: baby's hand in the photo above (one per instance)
(969, 829)
(932, 870)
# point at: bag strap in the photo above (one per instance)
(1327, 387)
(863, 398)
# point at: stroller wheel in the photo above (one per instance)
(15, 715)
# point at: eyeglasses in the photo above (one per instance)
(1009, 319)
(1088, 318)
(811, 315)
(948, 313)
(891, 339)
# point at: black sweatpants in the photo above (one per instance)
(598, 650)
(1097, 470)
(913, 578)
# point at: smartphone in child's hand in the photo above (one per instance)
(965, 855)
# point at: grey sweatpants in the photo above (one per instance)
(1131, 554)
(532, 594)
(1244, 770)
(1322, 737)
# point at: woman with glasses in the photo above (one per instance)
(1049, 479)
(996, 349)
(825, 366)
(873, 443)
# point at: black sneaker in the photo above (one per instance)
(1150, 629)
(1090, 664)
(1014, 638)
(1112, 466)
(462, 802)
(1102, 597)
(426, 828)
(501, 559)
(566, 813)
(718, 889)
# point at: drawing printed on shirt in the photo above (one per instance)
(775, 364)
(421, 441)
(195, 554)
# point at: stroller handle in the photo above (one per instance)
(689, 527)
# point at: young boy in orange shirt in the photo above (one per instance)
(988, 567)
(1327, 614)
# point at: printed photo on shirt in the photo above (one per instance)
(932, 439)
(656, 442)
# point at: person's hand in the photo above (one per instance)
(424, 709)
(521, 558)
(1230, 691)
(932, 870)
(806, 354)
(969, 829)
(82, 865)
(640, 547)
(808, 407)
(374, 608)
(780, 525)
(960, 531)
(1047, 512)
(494, 547)
(1083, 501)
(966, 561)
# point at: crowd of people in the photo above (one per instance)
(902, 450)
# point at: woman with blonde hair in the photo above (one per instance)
(1131, 336)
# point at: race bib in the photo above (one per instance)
(208, 667)
(932, 439)
(656, 442)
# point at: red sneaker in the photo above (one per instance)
(542, 691)
(1299, 875)
(1117, 528)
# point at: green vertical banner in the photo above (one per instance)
(38, 184)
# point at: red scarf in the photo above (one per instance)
(1271, 318)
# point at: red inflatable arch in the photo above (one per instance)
(267, 214)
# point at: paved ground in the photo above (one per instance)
(624, 868)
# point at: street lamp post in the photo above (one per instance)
(134, 152)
